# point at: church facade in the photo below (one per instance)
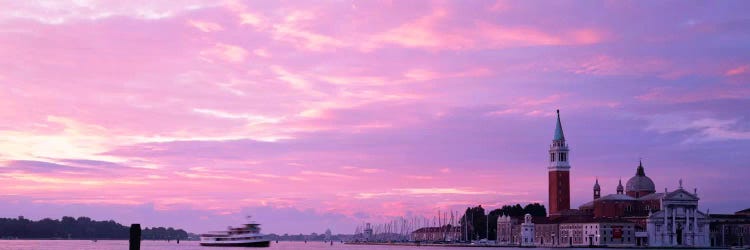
(679, 223)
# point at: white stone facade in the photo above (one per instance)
(597, 234)
(504, 230)
(527, 231)
(679, 223)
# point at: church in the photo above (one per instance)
(661, 219)
(635, 215)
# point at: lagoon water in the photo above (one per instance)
(188, 245)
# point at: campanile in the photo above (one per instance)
(559, 172)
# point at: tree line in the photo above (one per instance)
(474, 223)
(79, 228)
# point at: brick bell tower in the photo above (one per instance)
(559, 172)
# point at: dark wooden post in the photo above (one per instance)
(135, 237)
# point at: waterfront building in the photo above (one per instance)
(505, 233)
(527, 231)
(546, 232)
(587, 231)
(679, 223)
(509, 231)
(730, 230)
(567, 231)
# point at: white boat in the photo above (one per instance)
(247, 236)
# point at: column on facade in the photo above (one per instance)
(664, 232)
(688, 214)
(691, 230)
(695, 223)
(674, 227)
(695, 219)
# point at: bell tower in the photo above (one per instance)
(559, 172)
(597, 190)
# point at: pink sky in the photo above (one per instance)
(315, 115)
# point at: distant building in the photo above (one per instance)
(546, 232)
(505, 233)
(728, 230)
(745, 212)
(445, 233)
(527, 231)
(511, 233)
(584, 231)
(566, 231)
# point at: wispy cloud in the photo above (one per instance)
(205, 26)
(702, 129)
(226, 52)
(252, 119)
(739, 70)
(327, 174)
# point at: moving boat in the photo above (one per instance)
(246, 236)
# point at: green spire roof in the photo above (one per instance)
(558, 130)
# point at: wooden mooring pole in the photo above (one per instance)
(135, 237)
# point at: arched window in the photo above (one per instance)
(563, 157)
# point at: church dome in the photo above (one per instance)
(640, 182)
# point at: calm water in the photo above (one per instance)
(187, 245)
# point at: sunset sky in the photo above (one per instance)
(325, 114)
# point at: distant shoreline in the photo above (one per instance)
(509, 246)
(81, 228)
(422, 244)
(88, 239)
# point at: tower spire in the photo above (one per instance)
(559, 172)
(597, 189)
(619, 187)
(640, 171)
(558, 130)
